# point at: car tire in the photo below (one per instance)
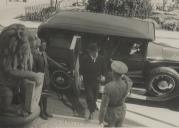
(163, 83)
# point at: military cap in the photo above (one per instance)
(119, 67)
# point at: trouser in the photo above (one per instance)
(115, 116)
(73, 97)
(43, 104)
(117, 122)
(91, 96)
(76, 105)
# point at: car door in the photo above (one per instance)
(134, 57)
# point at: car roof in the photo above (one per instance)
(97, 23)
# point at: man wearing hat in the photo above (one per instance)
(113, 108)
(92, 67)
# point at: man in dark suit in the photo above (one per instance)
(92, 68)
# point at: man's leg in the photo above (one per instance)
(42, 109)
(45, 103)
(76, 106)
(95, 93)
(90, 101)
(120, 121)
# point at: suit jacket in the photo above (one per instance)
(91, 70)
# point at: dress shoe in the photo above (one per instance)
(90, 116)
(43, 116)
(49, 115)
(97, 108)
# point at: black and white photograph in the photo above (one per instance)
(89, 63)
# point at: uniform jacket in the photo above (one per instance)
(113, 100)
(41, 65)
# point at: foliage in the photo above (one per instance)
(136, 8)
(40, 15)
(96, 5)
(139, 8)
(169, 25)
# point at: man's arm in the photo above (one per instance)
(103, 66)
(104, 105)
(129, 82)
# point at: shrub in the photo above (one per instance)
(159, 18)
(95, 5)
(170, 25)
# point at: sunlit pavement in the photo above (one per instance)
(139, 114)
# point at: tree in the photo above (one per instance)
(96, 5)
(164, 4)
(139, 8)
(136, 8)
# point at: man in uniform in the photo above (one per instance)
(92, 68)
(113, 108)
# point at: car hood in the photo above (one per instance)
(163, 52)
(167, 38)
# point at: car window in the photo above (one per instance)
(129, 48)
(60, 41)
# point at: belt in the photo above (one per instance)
(115, 105)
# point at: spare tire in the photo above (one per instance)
(163, 83)
(15, 121)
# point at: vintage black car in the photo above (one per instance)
(152, 65)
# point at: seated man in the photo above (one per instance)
(135, 49)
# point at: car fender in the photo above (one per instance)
(165, 70)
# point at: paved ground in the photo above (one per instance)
(139, 114)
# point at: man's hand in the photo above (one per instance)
(81, 77)
(103, 79)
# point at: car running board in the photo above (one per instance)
(140, 94)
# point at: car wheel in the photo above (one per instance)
(163, 83)
(60, 80)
